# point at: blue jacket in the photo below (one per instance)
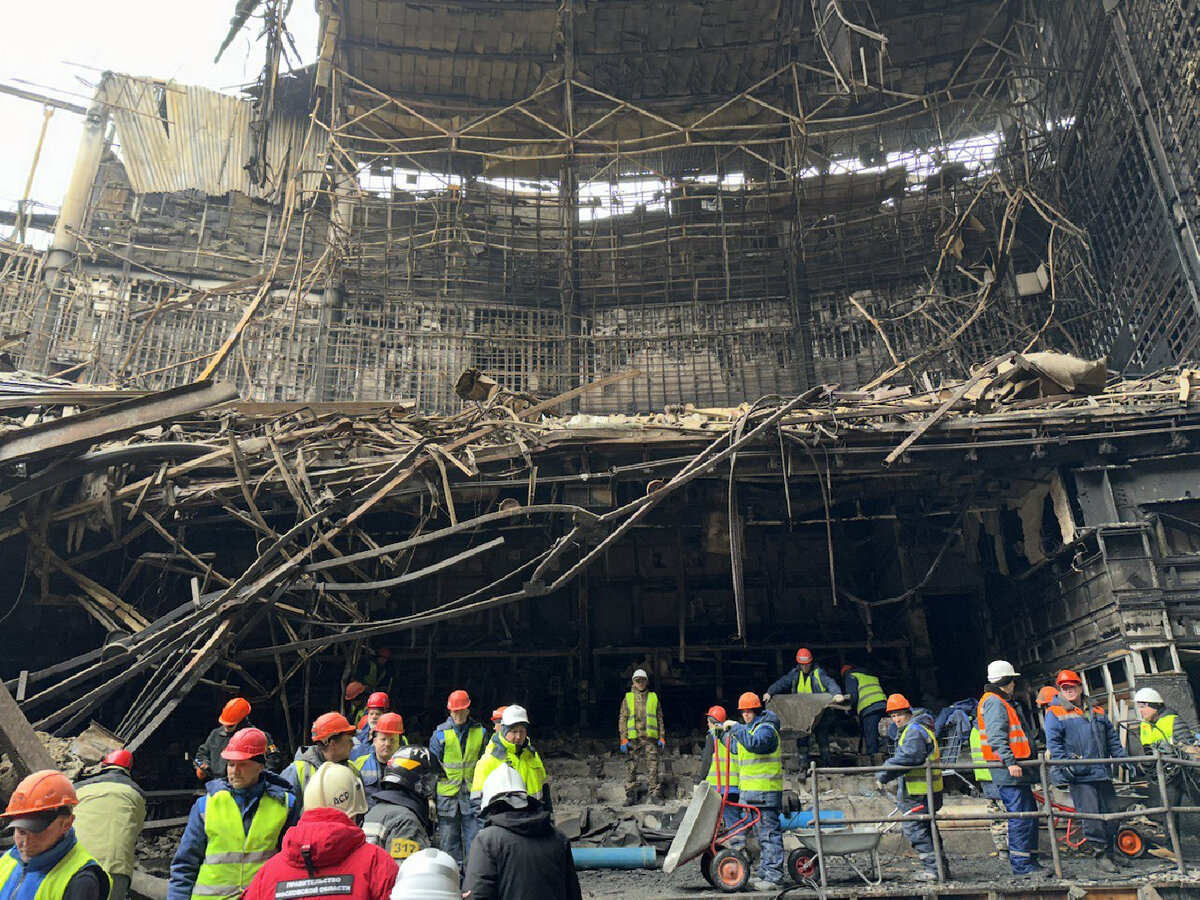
(913, 750)
(27, 877)
(763, 740)
(437, 743)
(1072, 733)
(787, 684)
(362, 742)
(190, 854)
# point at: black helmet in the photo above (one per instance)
(414, 768)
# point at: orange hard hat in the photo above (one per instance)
(1066, 676)
(458, 700)
(717, 712)
(246, 744)
(1047, 695)
(804, 656)
(390, 723)
(235, 710)
(41, 792)
(498, 713)
(749, 700)
(353, 689)
(329, 725)
(379, 700)
(897, 702)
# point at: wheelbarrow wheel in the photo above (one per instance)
(1131, 842)
(802, 866)
(730, 870)
(706, 861)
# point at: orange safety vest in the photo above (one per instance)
(1060, 711)
(1017, 741)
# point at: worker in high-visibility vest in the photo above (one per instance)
(760, 782)
(458, 743)
(1166, 732)
(806, 677)
(869, 703)
(640, 728)
(719, 765)
(916, 745)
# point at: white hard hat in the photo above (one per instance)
(1148, 695)
(505, 783)
(999, 670)
(428, 874)
(514, 715)
(640, 673)
(337, 786)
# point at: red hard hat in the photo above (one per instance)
(458, 700)
(329, 725)
(749, 700)
(384, 652)
(390, 723)
(804, 656)
(717, 712)
(235, 710)
(498, 713)
(1066, 676)
(379, 700)
(246, 744)
(119, 757)
(353, 689)
(897, 702)
(41, 792)
(1046, 696)
(846, 668)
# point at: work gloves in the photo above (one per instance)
(766, 698)
(625, 746)
(662, 745)
(728, 724)
(839, 698)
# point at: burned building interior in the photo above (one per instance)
(540, 340)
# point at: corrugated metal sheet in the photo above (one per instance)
(177, 137)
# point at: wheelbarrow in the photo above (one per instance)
(703, 835)
(844, 842)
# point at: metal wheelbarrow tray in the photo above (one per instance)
(841, 842)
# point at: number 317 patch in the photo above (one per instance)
(403, 848)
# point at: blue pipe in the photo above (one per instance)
(614, 857)
(804, 818)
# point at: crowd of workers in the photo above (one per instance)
(360, 800)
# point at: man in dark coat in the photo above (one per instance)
(518, 854)
(234, 717)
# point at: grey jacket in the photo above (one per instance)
(396, 824)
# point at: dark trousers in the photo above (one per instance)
(1096, 797)
(870, 730)
(820, 733)
(1177, 795)
(1022, 833)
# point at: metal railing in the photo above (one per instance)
(1046, 812)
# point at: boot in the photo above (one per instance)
(1121, 860)
(1105, 864)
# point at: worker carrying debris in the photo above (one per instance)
(377, 704)
(333, 738)
(1003, 739)
(808, 678)
(642, 735)
(109, 818)
(519, 854)
(917, 744)
(326, 854)
(760, 782)
(457, 744)
(1076, 731)
(234, 828)
(386, 736)
(514, 748)
(235, 716)
(399, 821)
(47, 861)
(868, 702)
(1164, 731)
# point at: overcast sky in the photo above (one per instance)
(56, 43)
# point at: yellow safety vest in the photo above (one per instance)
(981, 775)
(1161, 731)
(527, 762)
(762, 772)
(725, 761)
(914, 779)
(233, 855)
(54, 884)
(460, 764)
(631, 731)
(870, 691)
(810, 684)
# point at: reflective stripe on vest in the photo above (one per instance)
(1160, 731)
(869, 691)
(1018, 743)
(54, 884)
(233, 855)
(914, 779)
(459, 765)
(977, 756)
(725, 761)
(760, 771)
(526, 762)
(805, 683)
(631, 731)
